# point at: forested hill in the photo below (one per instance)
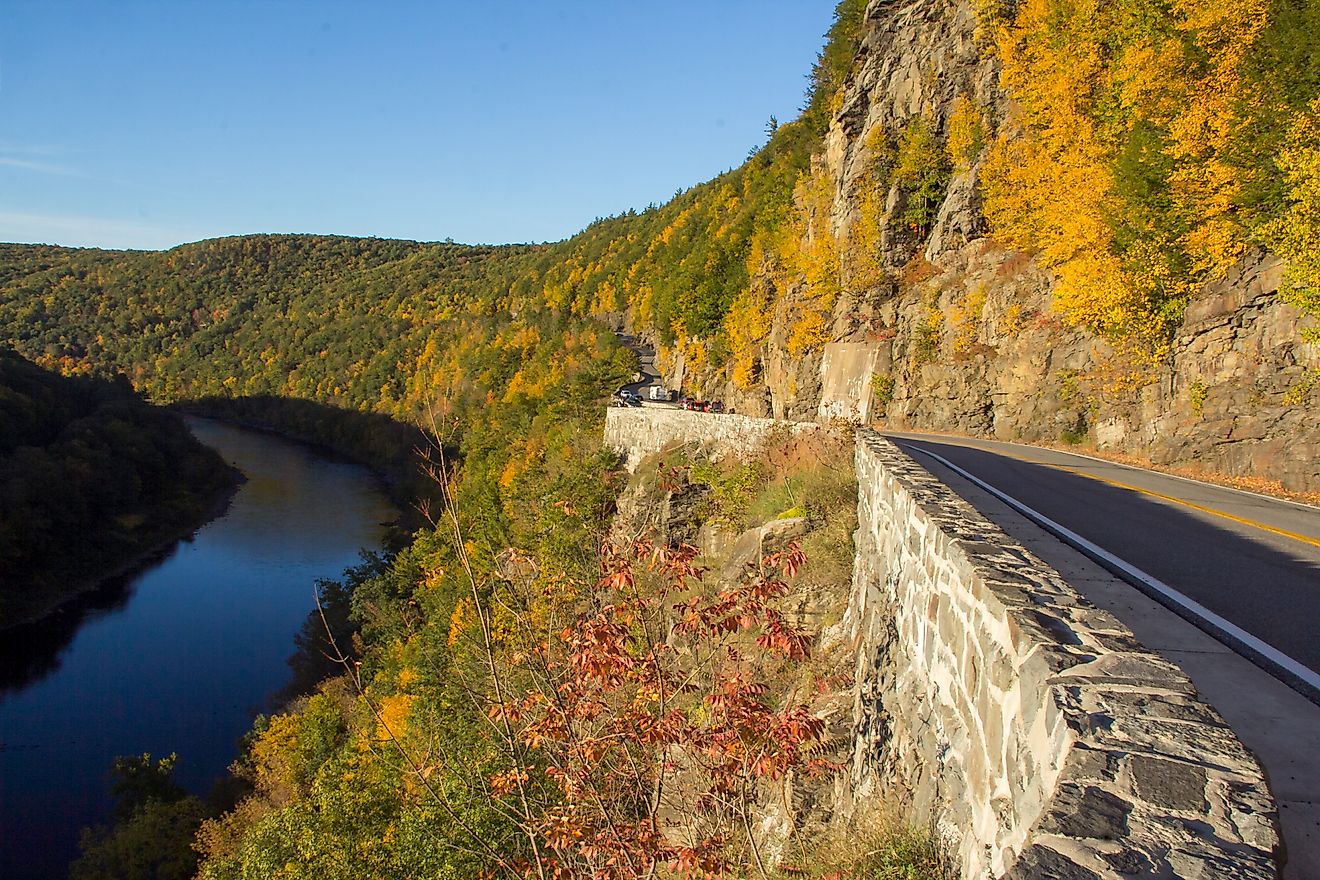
(90, 477)
(307, 316)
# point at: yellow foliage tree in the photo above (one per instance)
(862, 267)
(1213, 108)
(966, 133)
(1123, 96)
(811, 256)
(1295, 233)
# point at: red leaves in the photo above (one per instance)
(785, 640)
(703, 860)
(502, 784)
(599, 649)
(789, 560)
(652, 718)
(620, 580)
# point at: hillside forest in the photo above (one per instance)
(90, 478)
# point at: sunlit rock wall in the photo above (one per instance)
(1032, 729)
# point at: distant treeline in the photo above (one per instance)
(91, 477)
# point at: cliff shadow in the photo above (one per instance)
(391, 448)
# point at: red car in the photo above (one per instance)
(712, 406)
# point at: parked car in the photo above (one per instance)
(715, 406)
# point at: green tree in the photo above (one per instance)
(154, 824)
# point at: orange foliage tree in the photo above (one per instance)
(643, 731)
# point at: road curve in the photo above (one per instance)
(647, 373)
(1249, 559)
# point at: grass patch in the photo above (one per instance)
(874, 849)
(795, 477)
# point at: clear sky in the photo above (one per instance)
(147, 124)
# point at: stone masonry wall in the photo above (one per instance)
(637, 432)
(1034, 730)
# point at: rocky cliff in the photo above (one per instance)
(958, 333)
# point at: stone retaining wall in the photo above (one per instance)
(1034, 730)
(637, 432)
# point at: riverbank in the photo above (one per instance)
(139, 555)
(179, 656)
(92, 478)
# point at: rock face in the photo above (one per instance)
(962, 331)
(915, 59)
(1226, 400)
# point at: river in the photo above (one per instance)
(178, 656)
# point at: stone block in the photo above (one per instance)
(1171, 785)
(1086, 812)
(1086, 764)
(1038, 862)
(1134, 669)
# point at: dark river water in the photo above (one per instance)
(179, 656)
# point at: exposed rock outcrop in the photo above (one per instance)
(962, 332)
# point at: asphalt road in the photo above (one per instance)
(1253, 560)
(645, 363)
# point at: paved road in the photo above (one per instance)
(1252, 560)
(645, 365)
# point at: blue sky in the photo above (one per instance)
(147, 124)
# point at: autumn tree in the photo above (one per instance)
(651, 718)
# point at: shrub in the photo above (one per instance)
(882, 389)
(921, 172)
(1196, 394)
(966, 134)
(926, 335)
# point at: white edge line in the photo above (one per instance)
(919, 438)
(1267, 651)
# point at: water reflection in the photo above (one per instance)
(178, 657)
(30, 652)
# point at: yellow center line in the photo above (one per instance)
(1305, 539)
(1194, 506)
